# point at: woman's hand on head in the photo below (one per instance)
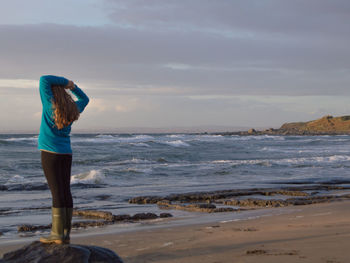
(70, 85)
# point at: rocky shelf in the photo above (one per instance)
(239, 198)
(105, 218)
(327, 125)
(232, 200)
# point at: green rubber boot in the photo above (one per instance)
(68, 225)
(58, 222)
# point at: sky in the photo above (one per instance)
(190, 64)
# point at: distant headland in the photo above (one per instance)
(327, 125)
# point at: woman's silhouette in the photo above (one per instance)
(58, 114)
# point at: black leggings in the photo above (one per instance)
(57, 170)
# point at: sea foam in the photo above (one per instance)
(177, 143)
(90, 177)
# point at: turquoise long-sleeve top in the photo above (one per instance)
(50, 137)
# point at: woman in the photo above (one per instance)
(58, 114)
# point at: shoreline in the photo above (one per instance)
(189, 208)
(311, 233)
(250, 132)
(277, 132)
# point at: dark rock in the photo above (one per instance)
(253, 202)
(84, 186)
(217, 196)
(270, 130)
(249, 229)
(121, 217)
(143, 216)
(256, 252)
(224, 209)
(286, 192)
(103, 197)
(145, 200)
(36, 252)
(107, 219)
(205, 207)
(25, 228)
(164, 215)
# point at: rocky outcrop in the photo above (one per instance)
(222, 194)
(205, 201)
(255, 202)
(327, 125)
(106, 218)
(37, 252)
(208, 208)
(251, 131)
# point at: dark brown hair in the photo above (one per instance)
(64, 107)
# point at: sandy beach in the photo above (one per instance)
(308, 233)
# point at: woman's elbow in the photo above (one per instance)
(43, 78)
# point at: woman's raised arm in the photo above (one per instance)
(83, 99)
(45, 87)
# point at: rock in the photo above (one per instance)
(102, 197)
(217, 196)
(37, 252)
(286, 192)
(254, 202)
(204, 207)
(143, 216)
(164, 215)
(252, 131)
(108, 216)
(24, 228)
(256, 252)
(108, 219)
(326, 125)
(225, 209)
(124, 217)
(145, 200)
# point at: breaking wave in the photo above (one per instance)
(90, 177)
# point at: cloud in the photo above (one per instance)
(134, 104)
(37, 115)
(19, 83)
(188, 62)
(97, 105)
(77, 12)
(239, 18)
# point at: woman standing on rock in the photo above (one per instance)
(58, 113)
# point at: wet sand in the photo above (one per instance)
(311, 233)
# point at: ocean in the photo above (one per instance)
(109, 169)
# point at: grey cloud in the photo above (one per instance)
(296, 48)
(283, 16)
